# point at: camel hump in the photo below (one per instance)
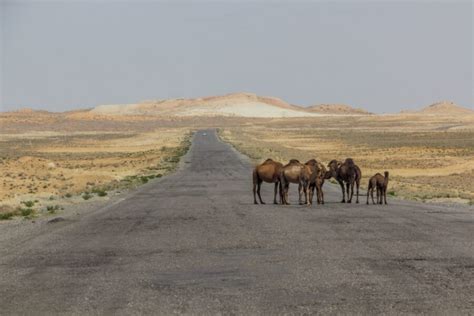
(294, 161)
(350, 162)
(312, 162)
(268, 160)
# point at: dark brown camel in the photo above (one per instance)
(380, 183)
(349, 173)
(317, 174)
(268, 171)
(294, 172)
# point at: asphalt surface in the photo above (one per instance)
(193, 243)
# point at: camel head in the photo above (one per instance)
(312, 162)
(386, 174)
(333, 166)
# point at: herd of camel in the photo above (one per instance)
(310, 177)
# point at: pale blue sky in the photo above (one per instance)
(383, 56)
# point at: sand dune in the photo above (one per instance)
(443, 108)
(237, 104)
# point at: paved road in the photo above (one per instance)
(193, 243)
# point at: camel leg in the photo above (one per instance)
(372, 195)
(342, 188)
(352, 191)
(385, 195)
(357, 196)
(322, 193)
(254, 192)
(306, 194)
(275, 193)
(284, 194)
(282, 190)
(368, 191)
(300, 194)
(311, 194)
(349, 197)
(259, 186)
(306, 197)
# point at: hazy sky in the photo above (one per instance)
(383, 56)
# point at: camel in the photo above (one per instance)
(347, 172)
(316, 180)
(268, 171)
(379, 183)
(294, 172)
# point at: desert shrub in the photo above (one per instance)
(144, 179)
(392, 193)
(87, 196)
(28, 203)
(25, 212)
(6, 216)
(99, 191)
(68, 195)
(52, 209)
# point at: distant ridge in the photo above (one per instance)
(442, 108)
(234, 105)
(337, 109)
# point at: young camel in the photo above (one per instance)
(268, 171)
(347, 172)
(379, 183)
(294, 172)
(317, 174)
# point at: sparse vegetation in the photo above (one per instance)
(28, 203)
(52, 208)
(61, 165)
(86, 196)
(6, 216)
(26, 212)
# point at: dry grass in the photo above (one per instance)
(429, 158)
(65, 167)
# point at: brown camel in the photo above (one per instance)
(379, 183)
(294, 172)
(349, 173)
(317, 174)
(268, 171)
